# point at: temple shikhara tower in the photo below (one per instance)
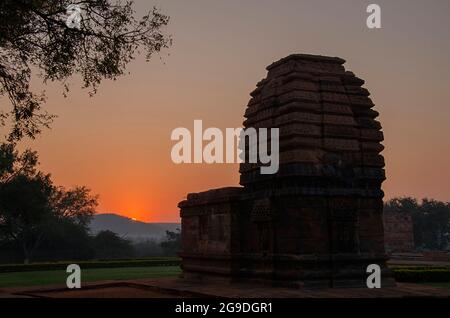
(318, 220)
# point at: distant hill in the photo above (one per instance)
(127, 228)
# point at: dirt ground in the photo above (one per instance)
(176, 288)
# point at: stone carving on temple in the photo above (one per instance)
(318, 220)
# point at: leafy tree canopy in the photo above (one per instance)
(172, 244)
(30, 204)
(34, 36)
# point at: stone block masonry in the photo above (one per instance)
(319, 220)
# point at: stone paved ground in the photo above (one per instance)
(170, 288)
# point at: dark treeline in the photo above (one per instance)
(78, 244)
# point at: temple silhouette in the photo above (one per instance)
(318, 220)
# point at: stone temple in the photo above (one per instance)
(318, 221)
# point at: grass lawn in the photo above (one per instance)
(49, 277)
(40, 278)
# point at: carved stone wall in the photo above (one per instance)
(318, 220)
(398, 232)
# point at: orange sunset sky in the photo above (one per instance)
(118, 142)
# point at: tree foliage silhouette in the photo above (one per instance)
(31, 205)
(34, 36)
(172, 244)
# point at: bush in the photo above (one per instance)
(172, 244)
(108, 244)
(91, 264)
(147, 248)
(422, 275)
